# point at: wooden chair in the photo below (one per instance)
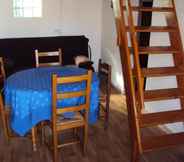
(80, 120)
(2, 71)
(104, 71)
(5, 113)
(52, 55)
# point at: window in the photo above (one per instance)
(27, 8)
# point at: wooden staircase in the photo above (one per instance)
(134, 75)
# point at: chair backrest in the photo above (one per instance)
(59, 95)
(49, 56)
(104, 73)
(2, 73)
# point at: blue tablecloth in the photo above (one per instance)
(28, 93)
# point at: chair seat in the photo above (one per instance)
(66, 123)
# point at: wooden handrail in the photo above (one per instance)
(127, 71)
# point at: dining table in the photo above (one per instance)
(29, 95)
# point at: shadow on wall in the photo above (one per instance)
(114, 60)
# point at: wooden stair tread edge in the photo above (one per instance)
(162, 94)
(162, 141)
(158, 49)
(161, 71)
(153, 119)
(153, 28)
(151, 9)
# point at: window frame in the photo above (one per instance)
(21, 9)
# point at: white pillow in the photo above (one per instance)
(79, 59)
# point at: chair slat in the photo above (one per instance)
(44, 54)
(49, 54)
(71, 109)
(49, 64)
(68, 144)
(71, 94)
(72, 79)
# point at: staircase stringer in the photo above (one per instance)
(128, 80)
(134, 43)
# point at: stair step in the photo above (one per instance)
(153, 29)
(162, 94)
(162, 71)
(163, 141)
(157, 50)
(153, 9)
(153, 119)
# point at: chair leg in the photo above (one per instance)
(33, 132)
(55, 149)
(85, 139)
(106, 124)
(5, 125)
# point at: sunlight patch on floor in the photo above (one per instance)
(118, 103)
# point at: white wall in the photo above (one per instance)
(84, 17)
(110, 51)
(49, 25)
(60, 17)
